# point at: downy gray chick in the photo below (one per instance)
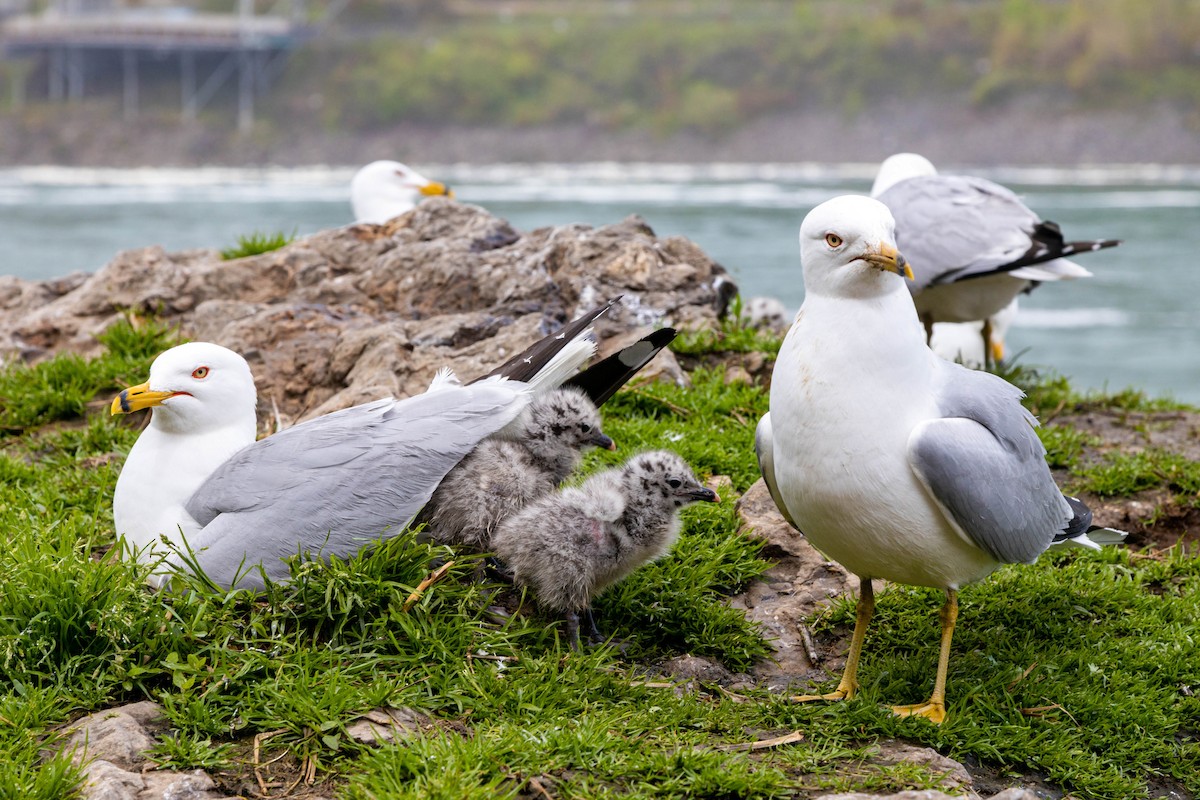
(501, 476)
(567, 547)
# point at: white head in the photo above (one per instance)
(385, 189)
(848, 249)
(194, 388)
(900, 167)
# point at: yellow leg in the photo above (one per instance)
(849, 683)
(934, 709)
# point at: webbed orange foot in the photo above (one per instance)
(932, 710)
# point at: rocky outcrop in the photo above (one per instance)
(355, 313)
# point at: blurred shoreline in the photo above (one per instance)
(1030, 133)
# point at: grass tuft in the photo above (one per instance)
(257, 243)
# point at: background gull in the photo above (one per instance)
(501, 476)
(569, 546)
(972, 244)
(385, 189)
(894, 462)
(326, 486)
(964, 342)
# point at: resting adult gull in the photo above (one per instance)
(385, 189)
(893, 462)
(327, 486)
(973, 245)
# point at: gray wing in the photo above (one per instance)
(764, 447)
(985, 466)
(335, 483)
(951, 228)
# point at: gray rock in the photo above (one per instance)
(955, 775)
(117, 736)
(355, 313)
(800, 582)
(385, 725)
(111, 747)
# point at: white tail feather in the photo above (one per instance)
(445, 377)
(566, 363)
(1057, 270)
(1092, 540)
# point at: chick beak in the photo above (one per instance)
(435, 188)
(704, 495)
(886, 257)
(602, 441)
(135, 398)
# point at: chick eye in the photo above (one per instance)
(674, 483)
(833, 240)
(200, 373)
(585, 427)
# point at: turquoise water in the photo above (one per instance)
(1134, 323)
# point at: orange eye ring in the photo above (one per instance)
(833, 240)
(200, 373)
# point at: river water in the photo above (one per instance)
(1135, 323)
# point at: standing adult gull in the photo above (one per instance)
(385, 189)
(972, 244)
(327, 486)
(892, 461)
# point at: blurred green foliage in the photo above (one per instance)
(719, 64)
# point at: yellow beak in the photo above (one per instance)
(886, 257)
(436, 188)
(135, 398)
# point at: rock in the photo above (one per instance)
(801, 581)
(111, 747)
(355, 313)
(688, 668)
(118, 736)
(928, 794)
(767, 314)
(955, 775)
(384, 725)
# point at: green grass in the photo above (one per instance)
(1109, 704)
(257, 243)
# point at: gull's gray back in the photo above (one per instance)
(954, 227)
(335, 483)
(985, 466)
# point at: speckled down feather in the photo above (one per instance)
(570, 545)
(500, 477)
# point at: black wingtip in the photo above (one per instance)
(530, 361)
(1079, 524)
(602, 380)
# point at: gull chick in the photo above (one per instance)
(385, 189)
(501, 476)
(569, 546)
(895, 463)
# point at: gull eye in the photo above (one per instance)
(674, 483)
(200, 373)
(833, 240)
(585, 427)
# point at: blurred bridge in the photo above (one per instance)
(78, 38)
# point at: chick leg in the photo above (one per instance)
(572, 620)
(849, 683)
(594, 636)
(934, 709)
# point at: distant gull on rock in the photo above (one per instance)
(385, 189)
(895, 463)
(569, 546)
(327, 486)
(972, 244)
(503, 475)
